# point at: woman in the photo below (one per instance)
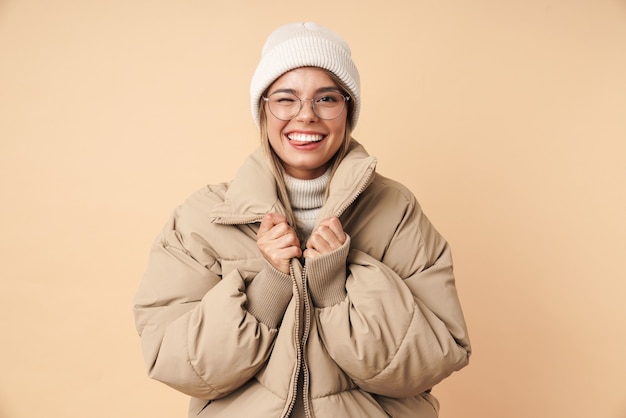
(310, 285)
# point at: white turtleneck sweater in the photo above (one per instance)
(306, 198)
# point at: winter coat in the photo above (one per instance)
(365, 331)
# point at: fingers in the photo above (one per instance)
(274, 228)
(311, 253)
(270, 220)
(281, 257)
(334, 225)
(278, 242)
(327, 237)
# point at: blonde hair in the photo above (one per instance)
(275, 163)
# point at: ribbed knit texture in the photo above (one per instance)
(270, 293)
(327, 276)
(268, 296)
(306, 198)
(305, 44)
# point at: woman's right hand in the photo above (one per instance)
(278, 242)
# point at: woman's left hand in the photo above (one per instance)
(327, 237)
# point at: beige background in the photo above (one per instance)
(507, 118)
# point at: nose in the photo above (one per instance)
(306, 112)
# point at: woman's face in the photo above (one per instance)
(305, 144)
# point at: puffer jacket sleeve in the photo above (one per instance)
(398, 328)
(196, 333)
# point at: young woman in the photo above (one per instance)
(310, 285)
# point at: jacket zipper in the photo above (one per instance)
(252, 219)
(307, 328)
(296, 338)
(301, 343)
(238, 221)
(365, 181)
(301, 366)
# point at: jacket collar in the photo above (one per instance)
(253, 192)
(352, 177)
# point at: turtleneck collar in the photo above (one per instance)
(306, 198)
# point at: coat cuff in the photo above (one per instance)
(268, 295)
(327, 276)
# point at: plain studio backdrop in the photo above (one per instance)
(507, 118)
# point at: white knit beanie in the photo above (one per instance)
(304, 45)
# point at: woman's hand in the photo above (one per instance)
(278, 242)
(327, 237)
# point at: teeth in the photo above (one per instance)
(305, 137)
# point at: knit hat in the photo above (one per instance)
(304, 45)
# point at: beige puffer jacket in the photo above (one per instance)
(364, 331)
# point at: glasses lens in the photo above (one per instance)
(329, 105)
(286, 106)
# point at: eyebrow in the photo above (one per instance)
(320, 90)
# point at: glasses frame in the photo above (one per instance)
(346, 98)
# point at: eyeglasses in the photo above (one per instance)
(286, 106)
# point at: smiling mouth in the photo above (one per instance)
(298, 137)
